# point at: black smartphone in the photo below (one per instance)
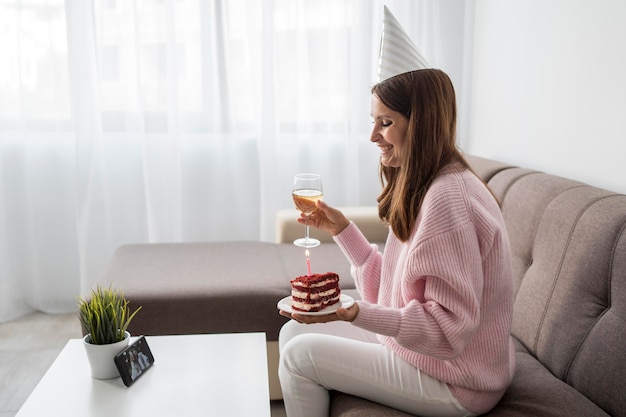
(133, 361)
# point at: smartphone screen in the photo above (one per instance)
(133, 361)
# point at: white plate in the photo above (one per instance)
(345, 302)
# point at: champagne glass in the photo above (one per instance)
(307, 189)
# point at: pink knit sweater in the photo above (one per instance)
(443, 300)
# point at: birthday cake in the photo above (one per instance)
(315, 292)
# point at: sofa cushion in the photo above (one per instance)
(485, 168)
(533, 392)
(524, 195)
(595, 287)
(345, 405)
(536, 392)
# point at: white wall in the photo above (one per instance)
(548, 87)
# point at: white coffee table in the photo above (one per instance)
(193, 375)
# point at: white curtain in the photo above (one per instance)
(142, 121)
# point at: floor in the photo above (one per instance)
(29, 345)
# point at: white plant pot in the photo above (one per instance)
(101, 357)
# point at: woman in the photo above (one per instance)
(431, 335)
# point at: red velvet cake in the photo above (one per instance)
(315, 292)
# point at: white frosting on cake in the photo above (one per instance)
(313, 296)
(312, 305)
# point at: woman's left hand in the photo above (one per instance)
(345, 314)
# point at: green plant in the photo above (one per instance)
(105, 315)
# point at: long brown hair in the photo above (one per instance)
(427, 99)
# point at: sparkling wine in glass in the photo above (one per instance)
(307, 189)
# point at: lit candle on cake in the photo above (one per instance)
(308, 262)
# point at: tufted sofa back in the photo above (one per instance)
(568, 242)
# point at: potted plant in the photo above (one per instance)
(105, 316)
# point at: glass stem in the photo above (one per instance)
(306, 231)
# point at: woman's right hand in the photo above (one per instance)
(326, 218)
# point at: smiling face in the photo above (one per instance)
(414, 127)
(388, 133)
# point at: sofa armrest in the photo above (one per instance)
(365, 217)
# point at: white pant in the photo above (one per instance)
(338, 356)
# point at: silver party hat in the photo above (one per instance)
(398, 53)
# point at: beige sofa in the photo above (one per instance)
(569, 247)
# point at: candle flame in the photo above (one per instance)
(306, 253)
